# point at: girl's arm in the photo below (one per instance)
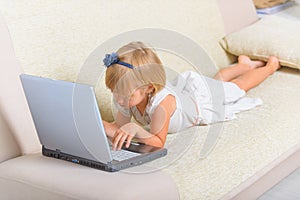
(111, 128)
(160, 121)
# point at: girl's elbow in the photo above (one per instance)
(160, 143)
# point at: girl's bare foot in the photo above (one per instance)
(252, 64)
(273, 64)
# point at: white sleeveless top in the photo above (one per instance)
(199, 100)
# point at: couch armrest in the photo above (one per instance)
(35, 176)
(237, 14)
(13, 104)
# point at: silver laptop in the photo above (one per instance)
(69, 126)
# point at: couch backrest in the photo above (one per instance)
(17, 132)
(61, 39)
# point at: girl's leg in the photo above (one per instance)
(254, 77)
(244, 65)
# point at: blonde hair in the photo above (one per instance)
(148, 69)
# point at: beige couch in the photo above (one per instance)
(26, 174)
(53, 39)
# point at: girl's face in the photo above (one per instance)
(138, 96)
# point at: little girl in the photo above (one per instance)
(136, 77)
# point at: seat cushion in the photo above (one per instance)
(240, 150)
(35, 176)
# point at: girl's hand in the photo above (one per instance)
(158, 127)
(125, 133)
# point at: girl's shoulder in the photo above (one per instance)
(164, 95)
(159, 96)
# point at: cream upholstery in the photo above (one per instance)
(37, 177)
(8, 145)
(46, 35)
(13, 105)
(34, 176)
(53, 39)
(237, 14)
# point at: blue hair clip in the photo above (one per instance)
(113, 58)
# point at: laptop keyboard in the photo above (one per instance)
(123, 154)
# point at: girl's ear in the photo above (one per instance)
(150, 88)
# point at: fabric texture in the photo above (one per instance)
(270, 36)
(244, 146)
(8, 145)
(58, 179)
(235, 19)
(13, 105)
(53, 42)
(47, 35)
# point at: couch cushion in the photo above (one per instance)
(37, 176)
(244, 146)
(13, 105)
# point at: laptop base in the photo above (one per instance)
(112, 166)
(74, 159)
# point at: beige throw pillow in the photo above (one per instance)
(271, 35)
